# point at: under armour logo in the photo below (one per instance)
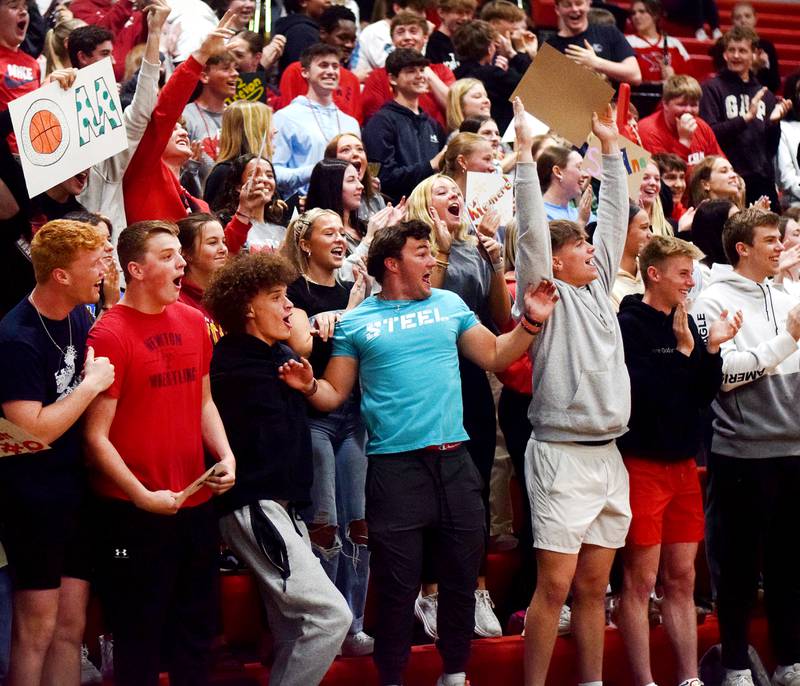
(120, 553)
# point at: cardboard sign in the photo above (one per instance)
(489, 191)
(250, 86)
(63, 132)
(199, 482)
(538, 128)
(634, 157)
(17, 441)
(563, 94)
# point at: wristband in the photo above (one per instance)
(498, 267)
(528, 329)
(532, 322)
(314, 388)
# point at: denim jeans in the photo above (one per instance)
(5, 621)
(337, 499)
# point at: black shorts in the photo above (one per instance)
(46, 537)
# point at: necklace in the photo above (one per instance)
(69, 353)
(319, 125)
(213, 141)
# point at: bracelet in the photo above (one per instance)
(531, 331)
(532, 322)
(498, 267)
(444, 264)
(314, 388)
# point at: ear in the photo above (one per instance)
(461, 162)
(304, 73)
(60, 276)
(203, 77)
(742, 249)
(558, 265)
(392, 264)
(135, 270)
(652, 274)
(250, 314)
(558, 172)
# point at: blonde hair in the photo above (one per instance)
(299, 229)
(417, 208)
(133, 60)
(55, 45)
(57, 243)
(681, 86)
(455, 112)
(661, 248)
(510, 246)
(243, 127)
(460, 144)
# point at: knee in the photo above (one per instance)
(70, 629)
(357, 532)
(34, 632)
(639, 582)
(589, 587)
(678, 580)
(552, 592)
(325, 538)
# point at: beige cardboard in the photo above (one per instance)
(17, 441)
(563, 94)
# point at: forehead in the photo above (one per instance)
(347, 140)
(261, 165)
(443, 184)
(328, 221)
(158, 242)
(765, 232)
(325, 60)
(721, 165)
(739, 45)
(677, 263)
(476, 91)
(345, 26)
(408, 28)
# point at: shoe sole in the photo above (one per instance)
(420, 615)
(485, 634)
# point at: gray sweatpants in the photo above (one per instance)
(310, 619)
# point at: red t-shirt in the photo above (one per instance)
(656, 137)
(159, 364)
(21, 75)
(650, 56)
(347, 97)
(378, 91)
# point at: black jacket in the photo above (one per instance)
(265, 421)
(669, 391)
(499, 84)
(750, 147)
(300, 31)
(404, 144)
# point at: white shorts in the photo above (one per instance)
(578, 494)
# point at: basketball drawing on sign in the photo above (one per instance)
(45, 133)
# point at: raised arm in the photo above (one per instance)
(496, 353)
(324, 394)
(534, 254)
(612, 206)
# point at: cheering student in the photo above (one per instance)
(674, 377)
(306, 125)
(269, 432)
(754, 465)
(421, 482)
(580, 406)
(156, 547)
(43, 497)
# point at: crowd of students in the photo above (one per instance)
(266, 326)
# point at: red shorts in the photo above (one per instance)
(666, 502)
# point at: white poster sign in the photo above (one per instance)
(63, 132)
(489, 191)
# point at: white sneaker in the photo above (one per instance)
(357, 645)
(691, 682)
(739, 677)
(486, 623)
(716, 33)
(426, 609)
(89, 673)
(459, 679)
(791, 677)
(564, 620)
(701, 34)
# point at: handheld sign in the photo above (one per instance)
(489, 191)
(198, 483)
(563, 94)
(63, 132)
(634, 158)
(537, 128)
(250, 86)
(17, 441)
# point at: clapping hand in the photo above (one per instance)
(540, 300)
(723, 330)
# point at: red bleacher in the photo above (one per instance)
(777, 21)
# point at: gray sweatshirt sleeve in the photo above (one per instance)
(612, 220)
(534, 255)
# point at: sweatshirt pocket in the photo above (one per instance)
(602, 401)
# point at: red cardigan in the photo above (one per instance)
(151, 190)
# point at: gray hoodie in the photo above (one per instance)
(581, 388)
(756, 408)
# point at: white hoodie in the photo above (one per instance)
(756, 408)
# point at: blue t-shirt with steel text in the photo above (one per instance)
(408, 368)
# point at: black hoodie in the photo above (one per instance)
(669, 391)
(301, 31)
(750, 147)
(265, 421)
(404, 143)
